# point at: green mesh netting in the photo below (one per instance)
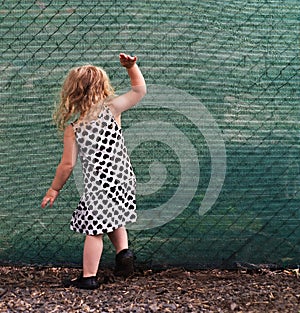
(214, 144)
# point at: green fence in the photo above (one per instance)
(214, 144)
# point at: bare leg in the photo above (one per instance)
(119, 239)
(92, 252)
(124, 257)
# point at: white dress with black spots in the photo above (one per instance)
(108, 201)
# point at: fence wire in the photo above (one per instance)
(214, 144)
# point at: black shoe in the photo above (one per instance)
(124, 263)
(82, 283)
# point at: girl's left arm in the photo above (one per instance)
(65, 167)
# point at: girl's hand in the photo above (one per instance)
(50, 197)
(127, 60)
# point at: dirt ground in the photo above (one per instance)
(33, 289)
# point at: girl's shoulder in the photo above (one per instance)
(69, 131)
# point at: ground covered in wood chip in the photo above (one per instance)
(34, 289)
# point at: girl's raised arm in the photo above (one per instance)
(138, 86)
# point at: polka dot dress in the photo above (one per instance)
(108, 201)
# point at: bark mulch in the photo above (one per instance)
(34, 289)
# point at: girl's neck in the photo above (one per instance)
(92, 114)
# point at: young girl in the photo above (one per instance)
(108, 201)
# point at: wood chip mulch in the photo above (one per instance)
(35, 289)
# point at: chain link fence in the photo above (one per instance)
(214, 144)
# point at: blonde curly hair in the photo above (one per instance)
(84, 86)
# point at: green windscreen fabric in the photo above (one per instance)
(214, 144)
